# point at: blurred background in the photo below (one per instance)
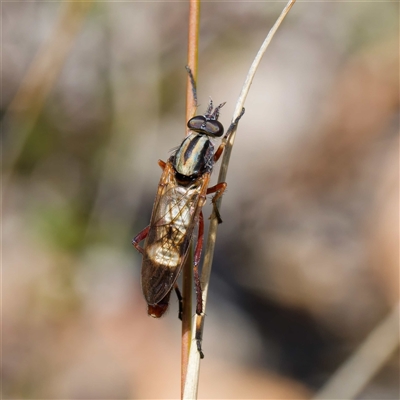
(306, 263)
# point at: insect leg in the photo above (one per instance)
(139, 237)
(197, 256)
(219, 189)
(162, 164)
(234, 124)
(199, 305)
(199, 334)
(193, 83)
(231, 128)
(219, 151)
(180, 300)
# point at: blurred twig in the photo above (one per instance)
(194, 357)
(188, 390)
(42, 74)
(350, 379)
(193, 52)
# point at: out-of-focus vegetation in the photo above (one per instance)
(307, 257)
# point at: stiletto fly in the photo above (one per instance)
(178, 209)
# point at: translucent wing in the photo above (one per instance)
(174, 217)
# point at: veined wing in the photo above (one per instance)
(174, 217)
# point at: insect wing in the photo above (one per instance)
(175, 212)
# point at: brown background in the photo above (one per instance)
(307, 257)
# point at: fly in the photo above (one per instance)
(177, 210)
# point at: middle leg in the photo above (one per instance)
(219, 190)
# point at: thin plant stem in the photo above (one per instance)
(192, 376)
(187, 276)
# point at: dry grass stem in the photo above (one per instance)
(187, 276)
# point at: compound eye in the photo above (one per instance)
(203, 125)
(214, 128)
(197, 123)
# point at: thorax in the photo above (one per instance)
(194, 156)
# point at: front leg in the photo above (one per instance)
(219, 189)
(231, 128)
(162, 164)
(234, 124)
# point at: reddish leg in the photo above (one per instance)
(219, 189)
(197, 256)
(139, 237)
(219, 151)
(162, 164)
